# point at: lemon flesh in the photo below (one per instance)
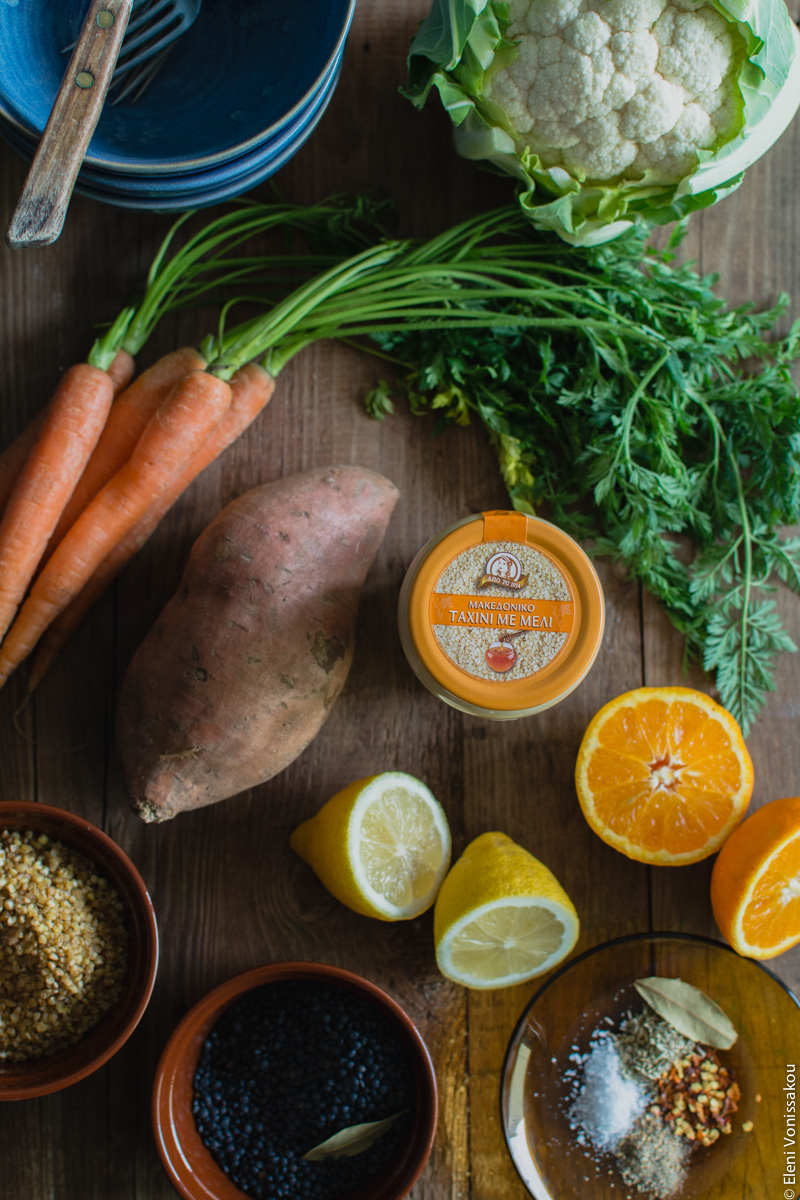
(501, 916)
(400, 846)
(506, 942)
(381, 846)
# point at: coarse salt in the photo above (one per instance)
(607, 1104)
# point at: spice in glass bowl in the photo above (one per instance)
(648, 1094)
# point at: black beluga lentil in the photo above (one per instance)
(285, 1068)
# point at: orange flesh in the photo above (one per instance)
(664, 775)
(773, 913)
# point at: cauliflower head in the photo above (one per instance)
(612, 88)
(611, 111)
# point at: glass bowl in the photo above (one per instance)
(52, 1072)
(595, 991)
(193, 1171)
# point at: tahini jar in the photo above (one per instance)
(501, 615)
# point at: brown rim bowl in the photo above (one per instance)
(191, 1167)
(40, 1076)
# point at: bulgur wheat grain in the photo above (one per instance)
(63, 945)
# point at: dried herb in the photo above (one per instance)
(688, 1010)
(353, 1140)
(648, 1045)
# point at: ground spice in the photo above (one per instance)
(63, 946)
(648, 1045)
(651, 1159)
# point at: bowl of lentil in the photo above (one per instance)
(78, 949)
(295, 1079)
(603, 1094)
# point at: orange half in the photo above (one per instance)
(755, 884)
(663, 775)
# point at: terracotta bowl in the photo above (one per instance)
(38, 1076)
(191, 1167)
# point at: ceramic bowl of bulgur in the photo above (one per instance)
(78, 948)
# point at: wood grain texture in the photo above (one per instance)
(41, 209)
(228, 891)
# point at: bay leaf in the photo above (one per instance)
(352, 1140)
(687, 1009)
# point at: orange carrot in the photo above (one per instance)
(122, 370)
(251, 389)
(173, 434)
(15, 454)
(73, 424)
(129, 415)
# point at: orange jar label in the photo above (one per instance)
(502, 610)
(501, 615)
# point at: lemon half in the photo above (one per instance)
(381, 846)
(501, 916)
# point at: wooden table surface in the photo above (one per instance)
(228, 891)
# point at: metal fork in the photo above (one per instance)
(153, 26)
(152, 29)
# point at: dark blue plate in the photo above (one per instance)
(289, 138)
(190, 191)
(215, 193)
(239, 75)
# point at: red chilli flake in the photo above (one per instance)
(697, 1097)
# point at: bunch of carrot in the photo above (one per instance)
(88, 480)
(102, 471)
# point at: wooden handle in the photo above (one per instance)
(42, 207)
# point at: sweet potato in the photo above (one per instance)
(242, 667)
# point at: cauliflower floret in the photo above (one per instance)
(688, 5)
(600, 162)
(630, 15)
(697, 53)
(653, 112)
(619, 91)
(635, 54)
(599, 152)
(726, 115)
(603, 67)
(563, 91)
(550, 51)
(587, 33)
(504, 91)
(676, 153)
(546, 18)
(518, 12)
(524, 67)
(553, 133)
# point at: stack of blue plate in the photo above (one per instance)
(238, 95)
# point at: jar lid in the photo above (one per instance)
(505, 612)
